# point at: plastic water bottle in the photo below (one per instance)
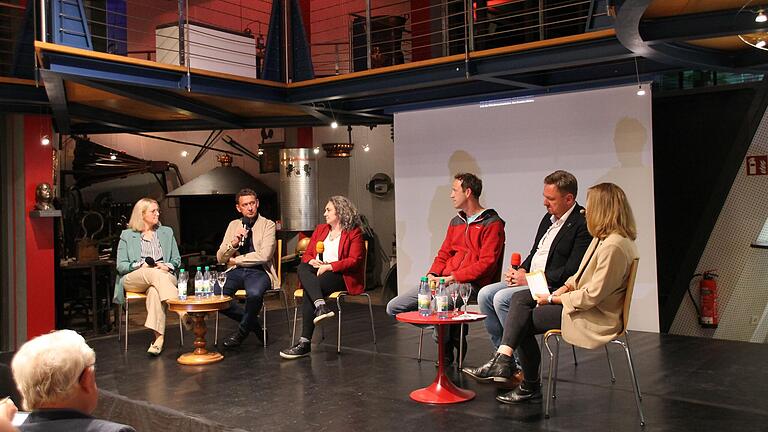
(207, 283)
(199, 282)
(182, 284)
(441, 300)
(425, 298)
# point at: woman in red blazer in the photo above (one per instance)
(337, 265)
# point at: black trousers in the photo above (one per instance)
(524, 321)
(315, 288)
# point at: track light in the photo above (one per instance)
(760, 43)
(184, 153)
(334, 124)
(366, 148)
(45, 140)
(260, 152)
(112, 156)
(761, 17)
(640, 91)
(316, 150)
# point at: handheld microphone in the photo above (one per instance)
(150, 261)
(515, 261)
(320, 248)
(245, 222)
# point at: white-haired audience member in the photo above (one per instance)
(56, 377)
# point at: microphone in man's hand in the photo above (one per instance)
(150, 262)
(320, 248)
(246, 227)
(515, 261)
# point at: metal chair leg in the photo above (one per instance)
(284, 297)
(370, 310)
(216, 331)
(295, 315)
(635, 386)
(126, 325)
(552, 367)
(634, 377)
(264, 311)
(181, 332)
(421, 343)
(119, 322)
(461, 346)
(610, 364)
(557, 359)
(338, 336)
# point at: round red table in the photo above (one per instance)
(442, 390)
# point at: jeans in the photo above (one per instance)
(493, 300)
(255, 281)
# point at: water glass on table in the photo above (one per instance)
(221, 278)
(465, 290)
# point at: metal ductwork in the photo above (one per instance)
(298, 189)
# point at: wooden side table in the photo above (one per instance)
(198, 307)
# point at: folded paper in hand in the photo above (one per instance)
(537, 283)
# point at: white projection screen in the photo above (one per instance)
(598, 135)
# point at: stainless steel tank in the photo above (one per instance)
(298, 189)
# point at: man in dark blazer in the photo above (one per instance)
(57, 380)
(561, 240)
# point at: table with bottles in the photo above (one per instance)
(442, 390)
(198, 307)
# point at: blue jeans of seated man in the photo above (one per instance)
(255, 281)
(494, 300)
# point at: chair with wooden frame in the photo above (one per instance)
(129, 296)
(277, 289)
(557, 333)
(338, 296)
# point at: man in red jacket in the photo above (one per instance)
(470, 253)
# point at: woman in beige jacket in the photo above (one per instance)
(588, 307)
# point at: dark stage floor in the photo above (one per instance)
(687, 383)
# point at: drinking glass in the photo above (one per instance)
(465, 290)
(221, 278)
(453, 290)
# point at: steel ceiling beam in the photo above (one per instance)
(57, 96)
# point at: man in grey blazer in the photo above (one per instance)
(56, 377)
(249, 247)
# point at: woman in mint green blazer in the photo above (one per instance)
(147, 256)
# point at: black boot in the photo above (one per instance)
(235, 339)
(523, 393)
(498, 369)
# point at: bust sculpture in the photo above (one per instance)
(44, 197)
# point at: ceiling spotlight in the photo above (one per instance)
(761, 17)
(760, 43)
(112, 156)
(640, 91)
(260, 152)
(184, 153)
(316, 150)
(366, 148)
(334, 125)
(45, 140)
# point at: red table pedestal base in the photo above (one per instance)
(442, 391)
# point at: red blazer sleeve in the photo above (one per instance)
(351, 252)
(492, 242)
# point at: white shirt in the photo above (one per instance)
(539, 261)
(331, 253)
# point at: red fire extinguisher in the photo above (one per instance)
(708, 317)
